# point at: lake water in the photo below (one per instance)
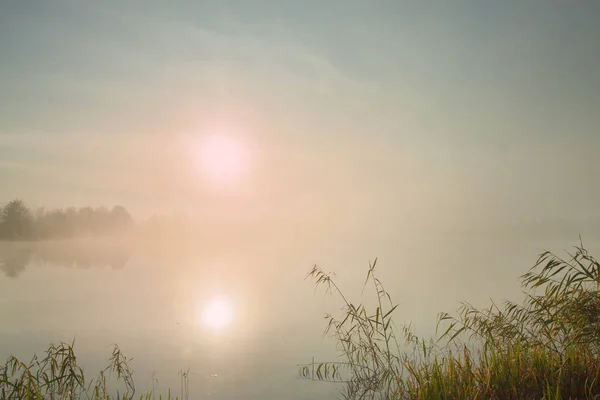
(151, 298)
(152, 303)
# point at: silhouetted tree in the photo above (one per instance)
(86, 220)
(120, 219)
(15, 221)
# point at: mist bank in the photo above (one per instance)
(19, 222)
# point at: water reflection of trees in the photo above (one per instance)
(14, 261)
(15, 258)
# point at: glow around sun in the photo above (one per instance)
(223, 159)
(217, 314)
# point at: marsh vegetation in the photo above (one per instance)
(543, 348)
(58, 376)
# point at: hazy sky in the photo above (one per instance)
(408, 112)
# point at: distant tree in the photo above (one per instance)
(86, 220)
(57, 223)
(120, 219)
(15, 221)
(72, 225)
(40, 224)
(100, 220)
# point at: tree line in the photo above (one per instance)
(18, 222)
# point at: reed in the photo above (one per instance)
(58, 376)
(547, 347)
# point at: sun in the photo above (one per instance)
(217, 314)
(222, 158)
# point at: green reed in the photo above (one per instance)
(545, 348)
(58, 376)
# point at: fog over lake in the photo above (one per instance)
(171, 171)
(150, 295)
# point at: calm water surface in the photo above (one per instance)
(240, 321)
(239, 327)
